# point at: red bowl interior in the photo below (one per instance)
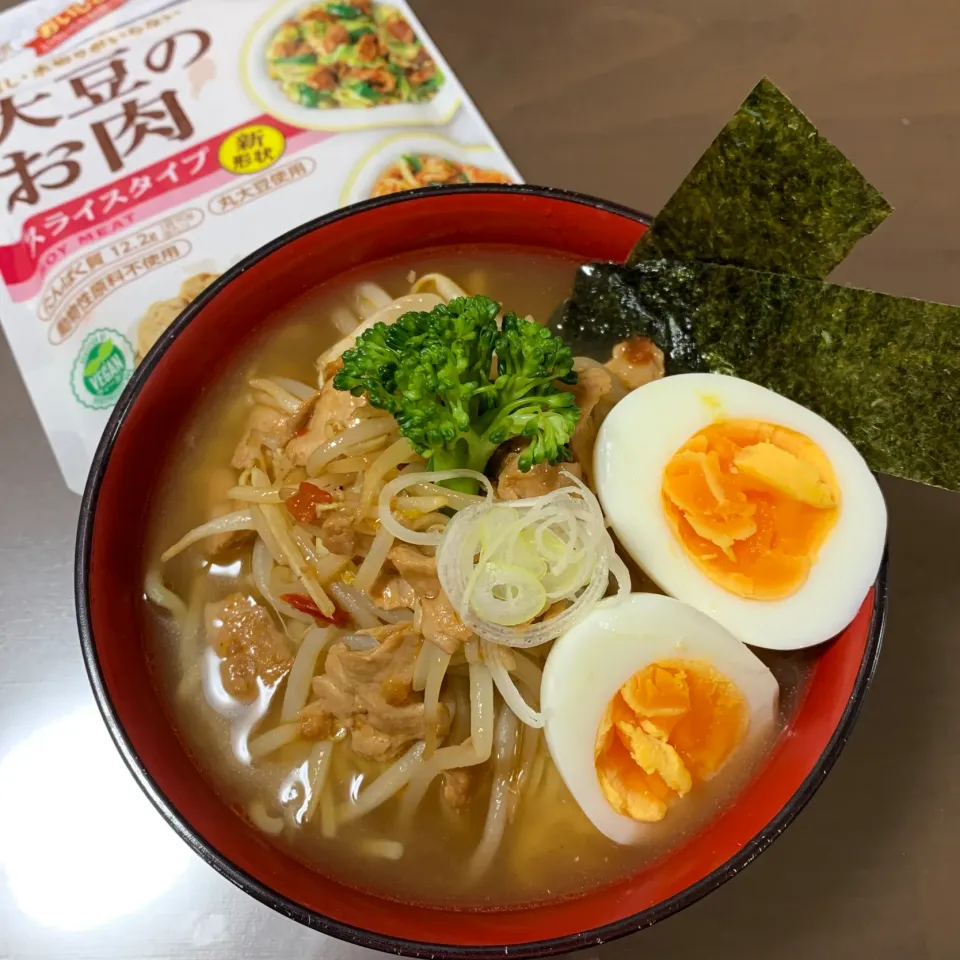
(138, 442)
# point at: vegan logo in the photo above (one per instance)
(101, 369)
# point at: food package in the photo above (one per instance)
(147, 146)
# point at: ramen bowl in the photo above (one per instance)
(139, 440)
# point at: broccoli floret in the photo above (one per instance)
(530, 360)
(433, 372)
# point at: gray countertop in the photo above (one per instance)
(617, 99)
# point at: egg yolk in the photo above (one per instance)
(751, 503)
(669, 727)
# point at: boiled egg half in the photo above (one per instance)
(743, 504)
(643, 701)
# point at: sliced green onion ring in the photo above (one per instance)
(507, 595)
(504, 564)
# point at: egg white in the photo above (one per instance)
(590, 663)
(638, 439)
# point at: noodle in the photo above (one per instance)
(538, 772)
(430, 523)
(389, 314)
(505, 685)
(273, 395)
(454, 498)
(350, 601)
(163, 596)
(344, 320)
(266, 535)
(262, 568)
(192, 622)
(261, 399)
(401, 615)
(481, 714)
(529, 746)
(442, 284)
(393, 456)
(293, 559)
(330, 565)
(427, 656)
(252, 495)
(273, 826)
(431, 697)
(420, 506)
(350, 438)
(370, 298)
(348, 465)
(446, 758)
(374, 560)
(499, 806)
(328, 814)
(390, 782)
(297, 388)
(272, 740)
(307, 546)
(528, 673)
(460, 715)
(319, 764)
(405, 480)
(365, 447)
(296, 630)
(388, 849)
(472, 751)
(301, 672)
(239, 520)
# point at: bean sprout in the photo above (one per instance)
(391, 523)
(508, 690)
(240, 520)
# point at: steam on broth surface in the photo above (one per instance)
(295, 703)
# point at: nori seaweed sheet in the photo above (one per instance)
(770, 193)
(884, 370)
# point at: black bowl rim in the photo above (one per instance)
(291, 909)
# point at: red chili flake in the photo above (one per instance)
(303, 503)
(301, 602)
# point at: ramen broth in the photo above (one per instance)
(550, 848)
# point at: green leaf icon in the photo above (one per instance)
(102, 366)
(97, 356)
